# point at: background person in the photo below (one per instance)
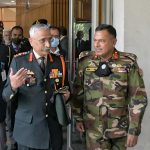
(7, 36)
(3, 74)
(55, 41)
(79, 43)
(64, 41)
(109, 94)
(18, 44)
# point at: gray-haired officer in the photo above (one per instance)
(33, 81)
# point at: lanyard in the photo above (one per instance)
(63, 69)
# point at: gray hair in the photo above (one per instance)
(36, 27)
(6, 30)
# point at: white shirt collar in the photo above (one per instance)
(37, 56)
(56, 52)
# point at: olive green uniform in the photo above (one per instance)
(109, 106)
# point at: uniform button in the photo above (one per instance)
(11, 96)
(44, 80)
(45, 92)
(46, 104)
(46, 115)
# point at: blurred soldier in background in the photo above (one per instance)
(7, 36)
(3, 73)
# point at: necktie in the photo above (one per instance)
(17, 48)
(79, 43)
(42, 63)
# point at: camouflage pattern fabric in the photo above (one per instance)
(110, 106)
(110, 144)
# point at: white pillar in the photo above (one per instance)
(131, 20)
(94, 21)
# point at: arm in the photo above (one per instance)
(15, 79)
(77, 99)
(137, 104)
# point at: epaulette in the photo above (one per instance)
(85, 54)
(21, 54)
(130, 56)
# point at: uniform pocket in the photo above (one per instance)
(117, 118)
(117, 123)
(118, 80)
(92, 86)
(24, 117)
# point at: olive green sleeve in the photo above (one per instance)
(137, 99)
(78, 94)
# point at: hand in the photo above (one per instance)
(80, 127)
(66, 95)
(17, 79)
(131, 140)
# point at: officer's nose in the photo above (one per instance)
(98, 43)
(47, 43)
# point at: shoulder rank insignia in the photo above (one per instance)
(133, 57)
(21, 54)
(130, 56)
(83, 54)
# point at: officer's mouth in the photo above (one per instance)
(46, 49)
(99, 49)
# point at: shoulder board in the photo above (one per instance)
(130, 56)
(21, 54)
(85, 54)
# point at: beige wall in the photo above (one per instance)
(8, 16)
(55, 11)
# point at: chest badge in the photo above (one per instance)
(55, 73)
(30, 79)
(91, 69)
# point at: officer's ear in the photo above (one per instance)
(114, 41)
(31, 41)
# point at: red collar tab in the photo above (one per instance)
(50, 57)
(116, 55)
(30, 57)
(97, 56)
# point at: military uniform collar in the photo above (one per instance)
(115, 56)
(37, 56)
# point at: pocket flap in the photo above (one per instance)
(24, 117)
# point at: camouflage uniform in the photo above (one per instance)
(110, 106)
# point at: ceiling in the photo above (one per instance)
(12, 3)
(7, 3)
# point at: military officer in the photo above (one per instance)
(17, 45)
(3, 74)
(33, 78)
(109, 94)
